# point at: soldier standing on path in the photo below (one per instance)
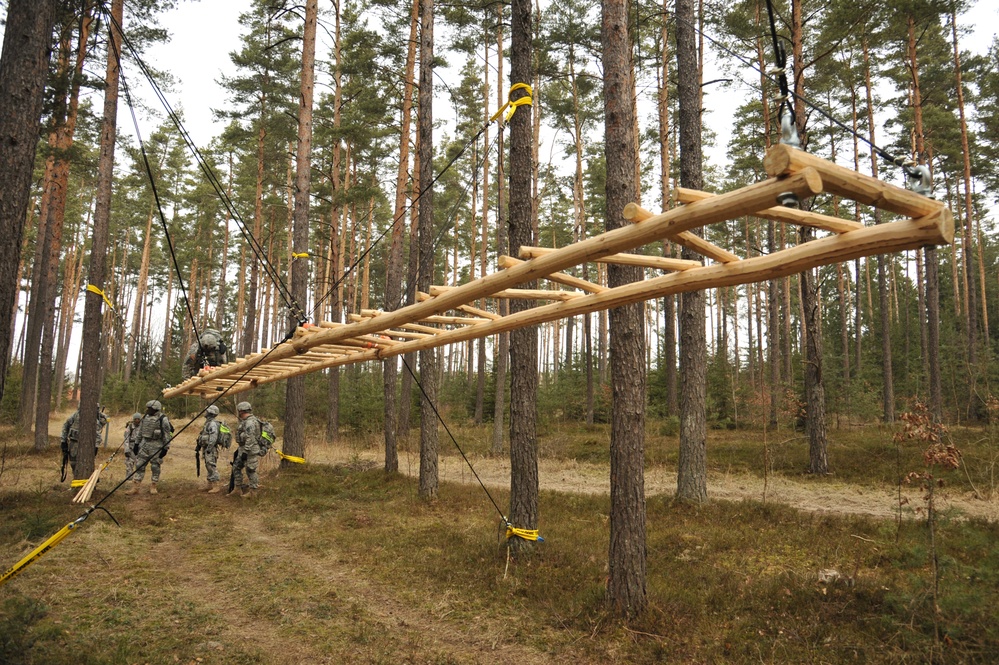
(155, 432)
(248, 455)
(70, 440)
(131, 442)
(209, 441)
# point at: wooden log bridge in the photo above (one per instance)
(447, 315)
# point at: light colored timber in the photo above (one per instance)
(779, 213)
(656, 262)
(935, 227)
(720, 208)
(468, 309)
(515, 294)
(893, 237)
(558, 277)
(635, 213)
(446, 320)
(841, 181)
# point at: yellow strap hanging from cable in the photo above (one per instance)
(40, 550)
(526, 534)
(514, 103)
(94, 289)
(290, 458)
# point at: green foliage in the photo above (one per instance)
(11, 394)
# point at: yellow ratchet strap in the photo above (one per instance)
(290, 458)
(512, 104)
(299, 255)
(526, 534)
(94, 289)
(79, 483)
(41, 549)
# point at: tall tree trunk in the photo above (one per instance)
(294, 424)
(503, 343)
(90, 378)
(249, 342)
(692, 468)
(967, 245)
(428, 357)
(393, 273)
(626, 585)
(23, 69)
(524, 341)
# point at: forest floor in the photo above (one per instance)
(333, 563)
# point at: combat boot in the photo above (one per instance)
(213, 488)
(152, 489)
(248, 492)
(134, 489)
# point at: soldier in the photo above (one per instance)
(214, 435)
(209, 349)
(131, 442)
(155, 432)
(70, 441)
(248, 455)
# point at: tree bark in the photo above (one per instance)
(524, 341)
(90, 373)
(428, 357)
(626, 586)
(692, 468)
(294, 424)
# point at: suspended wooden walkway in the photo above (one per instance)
(446, 315)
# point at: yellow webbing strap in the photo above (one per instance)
(94, 289)
(526, 534)
(41, 549)
(79, 483)
(290, 458)
(299, 255)
(512, 104)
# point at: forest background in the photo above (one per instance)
(871, 66)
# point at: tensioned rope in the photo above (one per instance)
(884, 154)
(213, 179)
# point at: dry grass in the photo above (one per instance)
(335, 562)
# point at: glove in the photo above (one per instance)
(135, 449)
(163, 452)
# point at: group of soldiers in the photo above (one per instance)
(147, 442)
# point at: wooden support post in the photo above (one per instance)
(656, 262)
(779, 213)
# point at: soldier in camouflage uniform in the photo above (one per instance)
(155, 432)
(209, 441)
(248, 456)
(70, 441)
(131, 442)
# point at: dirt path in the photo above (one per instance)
(812, 495)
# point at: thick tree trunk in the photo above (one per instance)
(248, 344)
(90, 378)
(503, 340)
(294, 424)
(524, 341)
(692, 467)
(626, 586)
(23, 70)
(428, 357)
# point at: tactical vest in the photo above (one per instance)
(151, 427)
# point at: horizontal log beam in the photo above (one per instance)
(719, 208)
(558, 277)
(515, 294)
(841, 181)
(780, 213)
(655, 262)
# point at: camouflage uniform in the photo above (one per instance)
(70, 441)
(155, 432)
(131, 442)
(209, 349)
(248, 456)
(208, 442)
